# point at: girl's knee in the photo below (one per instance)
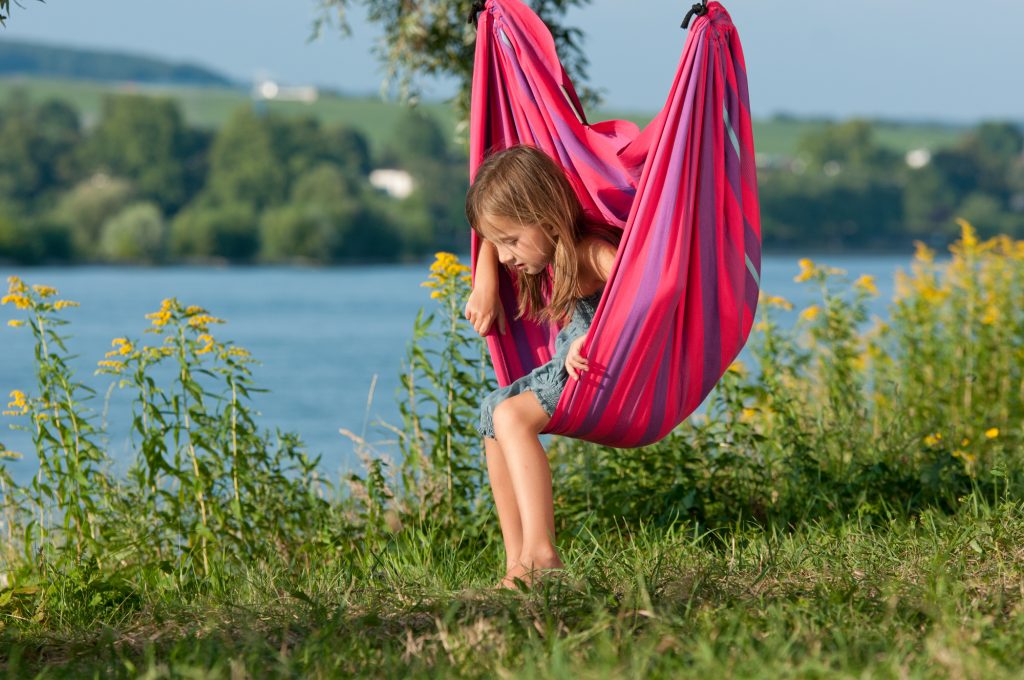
(505, 418)
(517, 415)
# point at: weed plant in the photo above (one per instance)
(849, 505)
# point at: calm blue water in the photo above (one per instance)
(322, 337)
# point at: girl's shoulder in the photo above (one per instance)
(597, 255)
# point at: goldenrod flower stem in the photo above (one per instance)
(450, 405)
(200, 496)
(234, 441)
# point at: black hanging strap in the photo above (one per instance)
(474, 12)
(700, 9)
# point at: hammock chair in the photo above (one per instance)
(680, 300)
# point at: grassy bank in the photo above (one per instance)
(935, 596)
(853, 508)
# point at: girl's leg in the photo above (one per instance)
(518, 422)
(505, 502)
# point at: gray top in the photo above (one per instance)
(547, 381)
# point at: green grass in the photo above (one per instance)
(210, 107)
(931, 597)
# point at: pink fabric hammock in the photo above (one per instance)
(682, 293)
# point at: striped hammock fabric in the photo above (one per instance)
(681, 297)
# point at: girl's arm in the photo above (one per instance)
(484, 305)
(600, 257)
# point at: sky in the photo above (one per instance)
(941, 60)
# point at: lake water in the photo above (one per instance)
(322, 336)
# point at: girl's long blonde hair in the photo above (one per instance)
(525, 185)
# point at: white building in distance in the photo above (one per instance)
(395, 183)
(269, 90)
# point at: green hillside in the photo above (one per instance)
(35, 60)
(209, 107)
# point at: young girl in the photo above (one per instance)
(526, 211)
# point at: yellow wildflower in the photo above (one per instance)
(966, 456)
(738, 368)
(238, 351)
(992, 432)
(748, 414)
(933, 439)
(867, 284)
(207, 341)
(18, 404)
(61, 304)
(968, 235)
(44, 291)
(923, 253)
(775, 301)
(965, 441)
(203, 320)
(20, 301)
(122, 345)
(811, 313)
(834, 271)
(192, 310)
(8, 454)
(115, 366)
(159, 318)
(445, 270)
(42, 416)
(15, 285)
(16, 323)
(807, 270)
(932, 294)
(990, 316)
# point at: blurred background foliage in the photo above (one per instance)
(269, 185)
(261, 188)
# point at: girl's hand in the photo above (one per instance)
(484, 308)
(574, 363)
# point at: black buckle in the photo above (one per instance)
(700, 9)
(474, 13)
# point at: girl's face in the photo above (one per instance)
(523, 247)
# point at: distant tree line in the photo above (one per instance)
(843, 191)
(142, 186)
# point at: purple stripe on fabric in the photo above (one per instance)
(736, 50)
(520, 332)
(707, 221)
(517, 71)
(752, 244)
(525, 135)
(658, 406)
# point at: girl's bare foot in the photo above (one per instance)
(530, 570)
